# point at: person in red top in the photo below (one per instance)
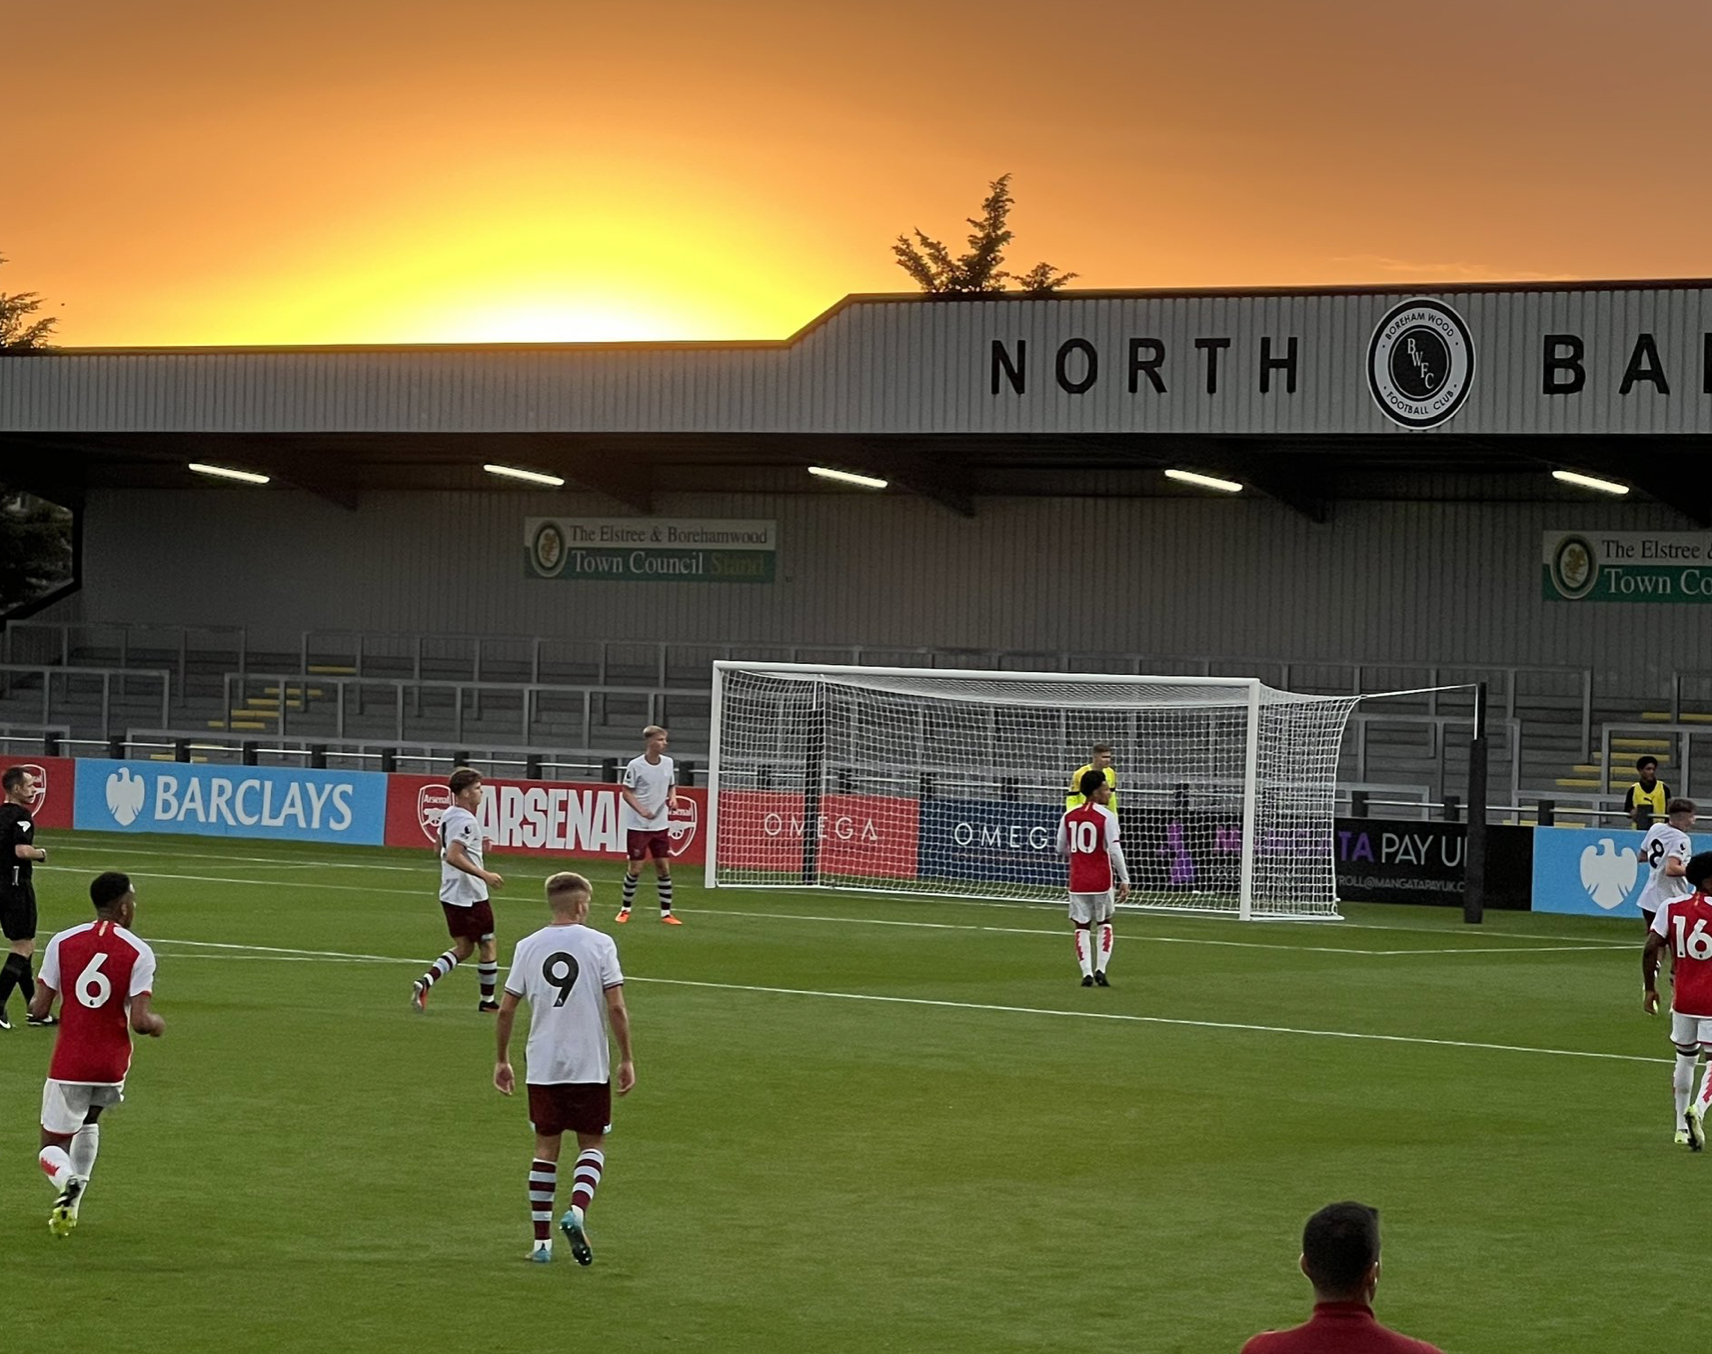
(109, 976)
(1684, 927)
(1340, 1256)
(1088, 835)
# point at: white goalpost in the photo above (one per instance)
(950, 783)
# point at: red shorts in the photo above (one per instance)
(469, 923)
(641, 845)
(571, 1107)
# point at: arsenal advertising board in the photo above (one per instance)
(55, 777)
(537, 817)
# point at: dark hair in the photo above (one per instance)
(1101, 747)
(107, 889)
(1091, 781)
(461, 779)
(1645, 760)
(12, 777)
(1699, 870)
(1339, 1244)
(1677, 806)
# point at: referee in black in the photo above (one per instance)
(18, 856)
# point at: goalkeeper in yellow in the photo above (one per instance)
(1101, 761)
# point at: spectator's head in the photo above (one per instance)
(114, 898)
(1681, 813)
(1647, 769)
(1094, 787)
(1340, 1252)
(1699, 871)
(466, 786)
(1102, 757)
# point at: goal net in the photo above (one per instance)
(951, 783)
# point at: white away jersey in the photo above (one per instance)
(650, 782)
(563, 972)
(1661, 844)
(458, 824)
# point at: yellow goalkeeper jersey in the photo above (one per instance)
(1075, 799)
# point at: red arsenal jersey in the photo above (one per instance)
(98, 968)
(1686, 925)
(1086, 835)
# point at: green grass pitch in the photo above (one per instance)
(861, 1123)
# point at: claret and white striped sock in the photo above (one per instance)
(630, 882)
(442, 966)
(489, 975)
(664, 883)
(543, 1180)
(587, 1178)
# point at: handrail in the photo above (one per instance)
(402, 686)
(1684, 763)
(49, 671)
(126, 629)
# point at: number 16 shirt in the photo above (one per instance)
(1686, 924)
(563, 972)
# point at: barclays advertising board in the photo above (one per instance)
(282, 803)
(1592, 871)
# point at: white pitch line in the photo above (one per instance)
(1158, 1020)
(112, 848)
(299, 956)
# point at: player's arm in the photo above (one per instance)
(24, 851)
(47, 981)
(143, 1019)
(43, 1001)
(504, 1078)
(618, 1016)
(1120, 867)
(1650, 961)
(1064, 834)
(459, 859)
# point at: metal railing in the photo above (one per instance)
(1681, 760)
(16, 675)
(1700, 693)
(354, 696)
(1440, 729)
(44, 642)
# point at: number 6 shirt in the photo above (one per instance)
(563, 973)
(97, 967)
(1686, 924)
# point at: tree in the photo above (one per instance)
(35, 547)
(19, 332)
(981, 271)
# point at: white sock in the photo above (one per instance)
(56, 1165)
(1103, 947)
(1704, 1099)
(1084, 957)
(84, 1146)
(1682, 1082)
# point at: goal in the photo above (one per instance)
(950, 783)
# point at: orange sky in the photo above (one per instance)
(377, 171)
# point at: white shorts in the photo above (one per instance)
(66, 1104)
(1686, 1030)
(1091, 907)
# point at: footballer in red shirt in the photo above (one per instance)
(108, 976)
(1088, 837)
(1684, 927)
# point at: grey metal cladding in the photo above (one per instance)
(906, 365)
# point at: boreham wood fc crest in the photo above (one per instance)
(1420, 363)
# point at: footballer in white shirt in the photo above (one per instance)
(649, 787)
(570, 977)
(1665, 851)
(464, 885)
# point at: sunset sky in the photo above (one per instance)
(192, 172)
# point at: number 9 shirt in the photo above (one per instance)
(563, 972)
